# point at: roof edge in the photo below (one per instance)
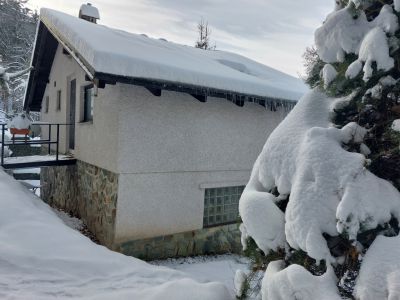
(153, 84)
(235, 97)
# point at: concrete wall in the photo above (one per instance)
(172, 148)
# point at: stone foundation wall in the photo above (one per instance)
(90, 193)
(87, 192)
(207, 241)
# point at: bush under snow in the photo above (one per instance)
(313, 190)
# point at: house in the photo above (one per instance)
(164, 135)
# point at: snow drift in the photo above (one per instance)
(41, 258)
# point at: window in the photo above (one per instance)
(46, 105)
(221, 205)
(88, 104)
(58, 100)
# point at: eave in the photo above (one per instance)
(45, 48)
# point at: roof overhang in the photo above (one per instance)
(42, 61)
(199, 92)
(47, 41)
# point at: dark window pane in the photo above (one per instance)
(88, 105)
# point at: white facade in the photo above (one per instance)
(172, 147)
(166, 150)
(97, 141)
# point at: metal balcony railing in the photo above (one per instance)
(36, 160)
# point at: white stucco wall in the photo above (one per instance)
(166, 149)
(63, 67)
(95, 142)
(173, 146)
(154, 204)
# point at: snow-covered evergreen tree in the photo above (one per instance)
(322, 208)
(17, 32)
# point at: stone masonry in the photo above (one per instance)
(207, 241)
(90, 193)
(86, 191)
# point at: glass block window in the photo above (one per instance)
(221, 205)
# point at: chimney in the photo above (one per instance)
(89, 13)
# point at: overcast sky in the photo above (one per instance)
(273, 32)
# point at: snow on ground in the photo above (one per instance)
(71, 222)
(42, 258)
(34, 158)
(27, 171)
(220, 268)
(7, 138)
(117, 52)
(36, 139)
(33, 185)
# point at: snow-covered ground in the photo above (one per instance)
(27, 170)
(220, 268)
(33, 185)
(34, 158)
(68, 220)
(42, 258)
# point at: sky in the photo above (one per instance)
(273, 32)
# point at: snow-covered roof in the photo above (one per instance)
(110, 51)
(89, 10)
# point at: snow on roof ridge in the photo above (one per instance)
(142, 57)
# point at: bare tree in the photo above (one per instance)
(17, 33)
(204, 31)
(312, 66)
